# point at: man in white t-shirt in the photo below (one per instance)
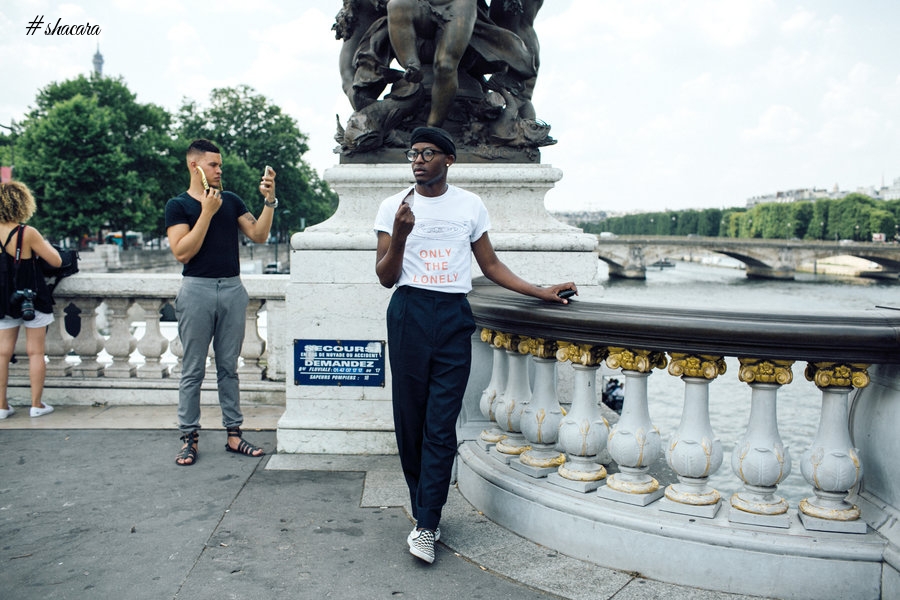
(427, 235)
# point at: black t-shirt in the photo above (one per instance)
(219, 255)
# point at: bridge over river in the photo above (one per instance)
(629, 256)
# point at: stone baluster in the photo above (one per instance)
(254, 346)
(634, 442)
(760, 458)
(177, 349)
(542, 415)
(277, 364)
(583, 431)
(832, 465)
(495, 387)
(58, 343)
(508, 410)
(88, 343)
(693, 452)
(120, 343)
(153, 344)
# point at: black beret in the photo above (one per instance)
(436, 136)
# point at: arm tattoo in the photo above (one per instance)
(249, 217)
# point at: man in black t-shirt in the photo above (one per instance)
(211, 307)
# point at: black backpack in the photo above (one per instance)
(68, 267)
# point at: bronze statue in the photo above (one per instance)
(466, 67)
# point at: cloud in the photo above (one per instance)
(655, 103)
(726, 24)
(800, 21)
(779, 124)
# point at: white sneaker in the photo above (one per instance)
(412, 535)
(423, 545)
(6, 412)
(40, 412)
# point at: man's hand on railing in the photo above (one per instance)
(560, 292)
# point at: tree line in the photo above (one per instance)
(97, 159)
(854, 217)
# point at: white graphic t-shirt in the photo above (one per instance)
(438, 254)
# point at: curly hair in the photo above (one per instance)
(16, 202)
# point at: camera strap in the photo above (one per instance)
(19, 232)
(3, 262)
(10, 237)
(19, 237)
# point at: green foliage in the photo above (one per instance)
(98, 159)
(62, 158)
(95, 158)
(854, 217)
(707, 222)
(253, 133)
(7, 148)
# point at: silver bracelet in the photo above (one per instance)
(272, 204)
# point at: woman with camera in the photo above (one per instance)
(24, 296)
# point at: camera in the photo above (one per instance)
(26, 299)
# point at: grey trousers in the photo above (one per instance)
(210, 310)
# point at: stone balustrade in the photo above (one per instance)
(109, 343)
(542, 458)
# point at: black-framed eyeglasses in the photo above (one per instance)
(427, 154)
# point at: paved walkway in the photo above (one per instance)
(93, 506)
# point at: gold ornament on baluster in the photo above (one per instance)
(704, 366)
(759, 370)
(487, 335)
(507, 341)
(834, 374)
(539, 347)
(630, 359)
(581, 354)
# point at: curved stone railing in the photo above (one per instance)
(572, 481)
(122, 350)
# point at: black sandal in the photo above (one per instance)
(188, 452)
(245, 447)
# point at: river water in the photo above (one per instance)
(716, 287)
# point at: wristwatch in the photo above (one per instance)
(273, 204)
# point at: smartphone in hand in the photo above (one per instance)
(203, 178)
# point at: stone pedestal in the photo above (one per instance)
(334, 293)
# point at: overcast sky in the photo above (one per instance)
(656, 104)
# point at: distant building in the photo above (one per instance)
(575, 218)
(98, 62)
(792, 196)
(798, 195)
(892, 192)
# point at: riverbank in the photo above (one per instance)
(838, 266)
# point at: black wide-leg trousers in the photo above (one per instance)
(430, 351)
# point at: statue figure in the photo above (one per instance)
(518, 16)
(462, 70)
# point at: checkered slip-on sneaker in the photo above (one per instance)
(422, 545)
